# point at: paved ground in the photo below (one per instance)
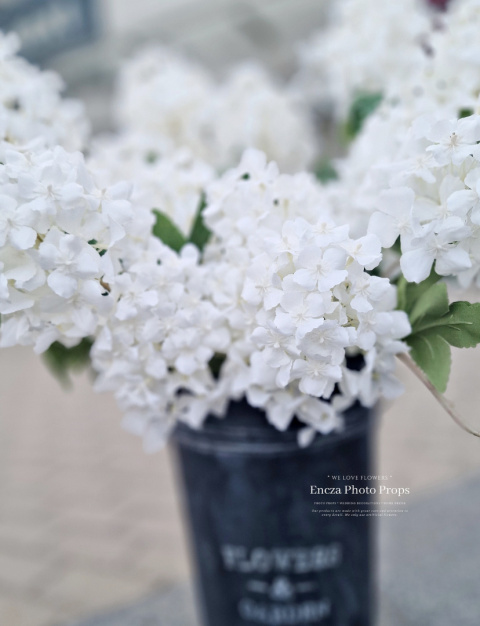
(430, 557)
(171, 607)
(87, 520)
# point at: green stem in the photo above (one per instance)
(444, 402)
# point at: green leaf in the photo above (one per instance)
(437, 325)
(465, 113)
(61, 360)
(431, 303)
(200, 234)
(168, 232)
(463, 329)
(432, 354)
(459, 326)
(325, 171)
(409, 293)
(363, 105)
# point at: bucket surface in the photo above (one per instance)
(262, 555)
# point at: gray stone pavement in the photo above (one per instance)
(172, 607)
(87, 520)
(429, 559)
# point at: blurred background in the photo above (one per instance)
(86, 40)
(90, 526)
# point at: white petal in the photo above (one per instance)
(461, 202)
(384, 227)
(306, 436)
(64, 286)
(17, 301)
(23, 237)
(416, 265)
(453, 261)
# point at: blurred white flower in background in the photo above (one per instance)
(452, 81)
(250, 111)
(172, 183)
(179, 105)
(445, 86)
(31, 104)
(369, 47)
(162, 95)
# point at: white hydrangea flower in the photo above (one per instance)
(179, 105)
(384, 138)
(317, 305)
(283, 334)
(249, 110)
(435, 210)
(31, 106)
(160, 93)
(172, 182)
(57, 230)
(155, 348)
(441, 88)
(452, 79)
(358, 52)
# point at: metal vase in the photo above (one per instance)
(262, 556)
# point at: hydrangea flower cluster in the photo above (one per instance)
(56, 231)
(433, 201)
(161, 94)
(170, 182)
(31, 106)
(452, 78)
(180, 105)
(250, 111)
(155, 348)
(446, 85)
(306, 297)
(279, 298)
(359, 51)
(381, 141)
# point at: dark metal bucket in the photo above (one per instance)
(262, 556)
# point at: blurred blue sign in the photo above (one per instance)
(47, 27)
